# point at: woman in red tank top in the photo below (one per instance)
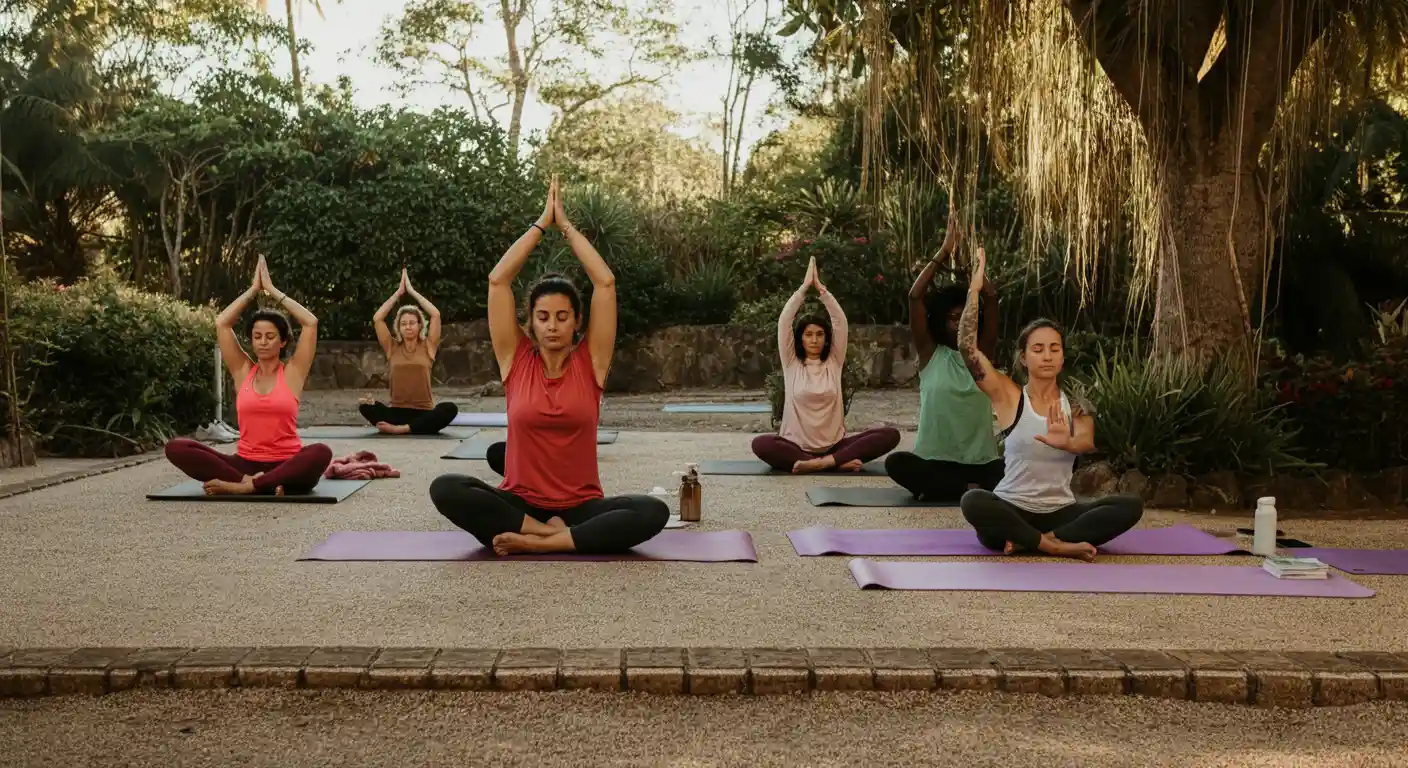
(269, 458)
(551, 498)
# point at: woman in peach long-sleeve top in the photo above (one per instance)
(813, 433)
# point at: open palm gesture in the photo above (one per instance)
(1060, 431)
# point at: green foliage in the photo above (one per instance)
(707, 295)
(109, 370)
(1162, 416)
(853, 378)
(1350, 414)
(436, 193)
(863, 275)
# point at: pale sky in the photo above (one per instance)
(344, 41)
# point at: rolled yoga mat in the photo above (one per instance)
(325, 492)
(1374, 562)
(419, 546)
(478, 448)
(1010, 576)
(870, 497)
(1174, 540)
(480, 420)
(329, 432)
(717, 408)
(755, 467)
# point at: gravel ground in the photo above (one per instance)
(93, 563)
(296, 729)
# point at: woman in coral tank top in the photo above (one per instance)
(270, 458)
(551, 499)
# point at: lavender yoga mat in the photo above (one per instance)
(1011, 576)
(1174, 540)
(1377, 562)
(690, 546)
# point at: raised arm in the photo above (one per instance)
(987, 334)
(296, 373)
(837, 358)
(236, 361)
(786, 341)
(432, 332)
(383, 333)
(504, 330)
(924, 343)
(601, 323)
(1003, 392)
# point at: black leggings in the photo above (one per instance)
(935, 480)
(1090, 522)
(421, 421)
(609, 525)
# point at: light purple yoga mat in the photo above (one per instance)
(1377, 562)
(691, 546)
(1012, 576)
(1174, 540)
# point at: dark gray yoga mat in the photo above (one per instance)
(331, 432)
(477, 449)
(755, 467)
(325, 492)
(870, 497)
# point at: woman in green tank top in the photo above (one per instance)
(955, 449)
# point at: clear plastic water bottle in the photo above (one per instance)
(1264, 527)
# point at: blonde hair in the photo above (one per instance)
(410, 309)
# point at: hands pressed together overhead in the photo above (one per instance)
(554, 214)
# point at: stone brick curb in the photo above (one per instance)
(1290, 679)
(40, 483)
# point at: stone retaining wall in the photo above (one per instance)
(1333, 491)
(1265, 678)
(681, 357)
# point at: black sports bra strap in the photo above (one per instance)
(1021, 406)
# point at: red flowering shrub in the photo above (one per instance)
(1351, 416)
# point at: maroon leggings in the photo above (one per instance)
(297, 474)
(781, 454)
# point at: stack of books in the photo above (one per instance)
(1296, 568)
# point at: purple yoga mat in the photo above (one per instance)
(1379, 562)
(1174, 540)
(1011, 576)
(692, 546)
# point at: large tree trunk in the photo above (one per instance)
(293, 56)
(1211, 264)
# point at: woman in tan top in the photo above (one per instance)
(410, 353)
(813, 433)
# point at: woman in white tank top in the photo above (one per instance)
(1033, 509)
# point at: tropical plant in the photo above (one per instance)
(1168, 415)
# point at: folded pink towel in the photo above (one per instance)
(361, 465)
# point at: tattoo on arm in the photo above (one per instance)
(968, 337)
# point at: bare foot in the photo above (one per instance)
(556, 523)
(393, 429)
(1077, 551)
(853, 465)
(518, 543)
(811, 465)
(227, 488)
(1009, 549)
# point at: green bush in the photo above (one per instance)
(1349, 415)
(863, 275)
(109, 370)
(1162, 416)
